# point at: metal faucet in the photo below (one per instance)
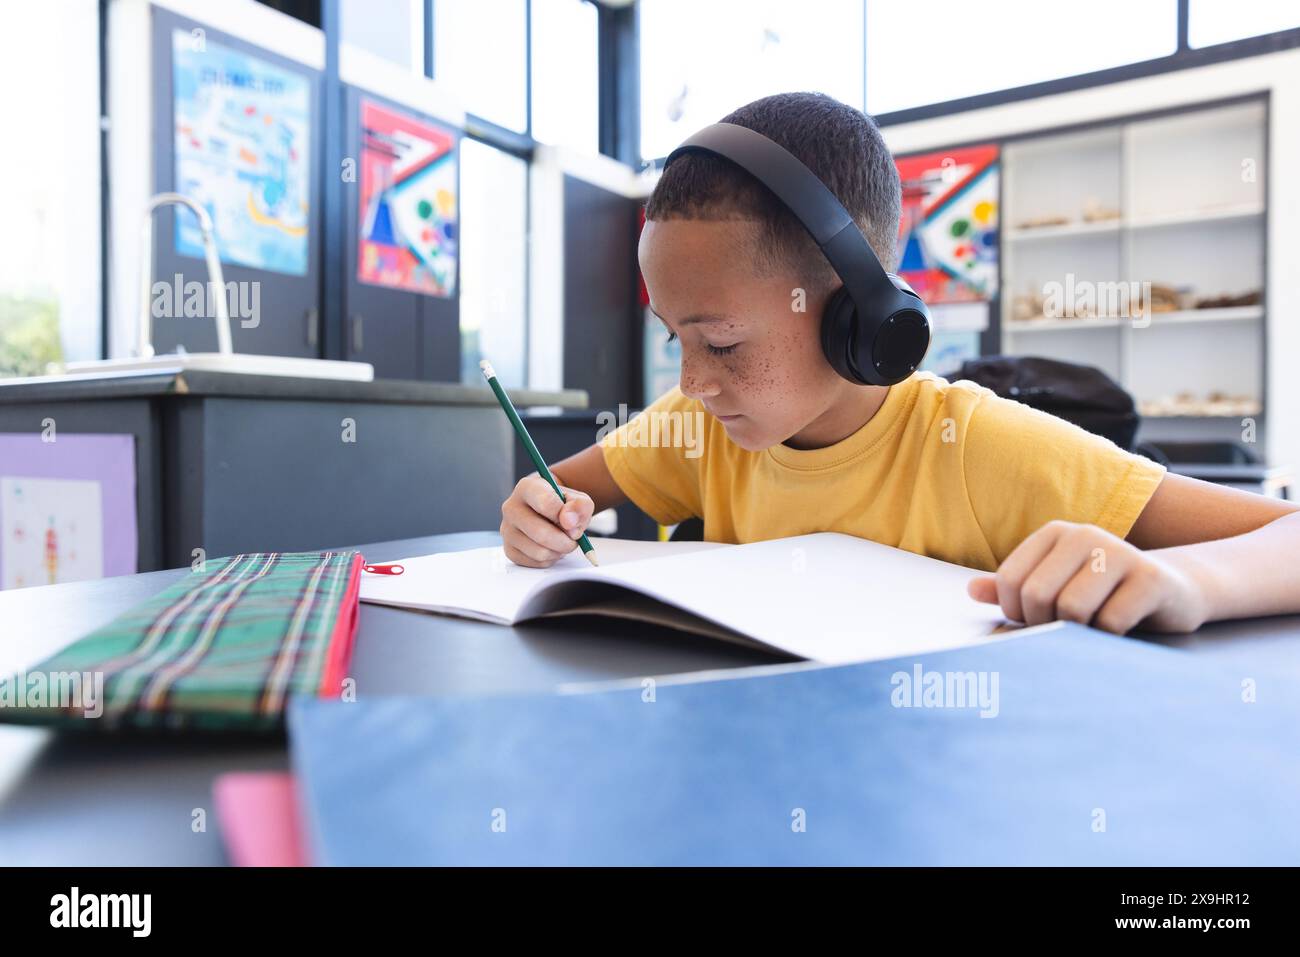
(215, 276)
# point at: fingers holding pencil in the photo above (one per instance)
(537, 528)
(572, 515)
(572, 519)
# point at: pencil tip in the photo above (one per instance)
(591, 557)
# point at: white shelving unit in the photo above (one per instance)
(1233, 314)
(1174, 201)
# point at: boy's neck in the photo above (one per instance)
(857, 406)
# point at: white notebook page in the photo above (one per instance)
(482, 583)
(826, 597)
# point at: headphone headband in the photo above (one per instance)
(813, 204)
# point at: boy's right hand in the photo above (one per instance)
(537, 529)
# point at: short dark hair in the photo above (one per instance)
(841, 145)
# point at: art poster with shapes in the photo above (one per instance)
(949, 229)
(51, 531)
(409, 233)
(242, 151)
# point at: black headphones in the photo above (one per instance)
(875, 329)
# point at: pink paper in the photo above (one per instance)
(258, 815)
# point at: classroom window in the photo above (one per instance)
(700, 61)
(929, 51)
(493, 267)
(480, 53)
(49, 244)
(389, 29)
(565, 74)
(1222, 21)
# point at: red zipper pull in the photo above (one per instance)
(383, 569)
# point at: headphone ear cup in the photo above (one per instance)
(839, 320)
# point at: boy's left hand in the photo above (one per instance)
(1082, 573)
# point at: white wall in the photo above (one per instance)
(1278, 74)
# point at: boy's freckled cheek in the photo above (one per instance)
(760, 376)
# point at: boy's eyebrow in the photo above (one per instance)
(689, 320)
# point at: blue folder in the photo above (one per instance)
(1102, 751)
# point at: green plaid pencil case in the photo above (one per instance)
(222, 649)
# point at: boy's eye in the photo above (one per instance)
(712, 349)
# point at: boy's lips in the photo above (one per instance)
(724, 418)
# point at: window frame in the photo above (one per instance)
(1184, 57)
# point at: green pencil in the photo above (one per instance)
(509, 407)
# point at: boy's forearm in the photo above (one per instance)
(1256, 573)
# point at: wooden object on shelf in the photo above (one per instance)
(1215, 403)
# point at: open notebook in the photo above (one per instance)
(825, 597)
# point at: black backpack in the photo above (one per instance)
(1077, 393)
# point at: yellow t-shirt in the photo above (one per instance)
(948, 470)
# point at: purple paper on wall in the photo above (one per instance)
(67, 507)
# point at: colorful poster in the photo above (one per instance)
(242, 145)
(408, 217)
(949, 229)
(67, 507)
(53, 531)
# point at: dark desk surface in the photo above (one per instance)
(90, 800)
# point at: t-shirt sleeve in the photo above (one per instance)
(655, 458)
(1025, 468)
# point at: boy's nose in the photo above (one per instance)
(698, 378)
(696, 386)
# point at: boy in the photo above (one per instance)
(1074, 527)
